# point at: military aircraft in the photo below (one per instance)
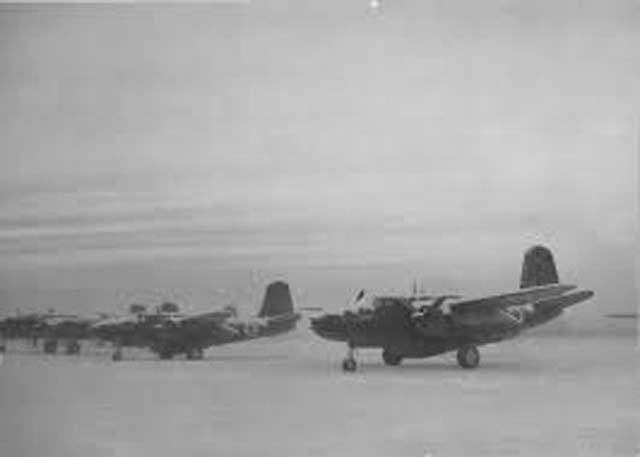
(424, 326)
(22, 326)
(169, 334)
(51, 327)
(70, 330)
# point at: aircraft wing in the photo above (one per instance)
(212, 323)
(210, 318)
(517, 298)
(114, 322)
(622, 316)
(563, 301)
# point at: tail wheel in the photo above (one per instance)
(468, 356)
(349, 364)
(391, 358)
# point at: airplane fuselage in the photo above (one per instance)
(394, 326)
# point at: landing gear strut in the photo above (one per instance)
(195, 354)
(73, 347)
(50, 346)
(468, 356)
(165, 354)
(117, 353)
(349, 364)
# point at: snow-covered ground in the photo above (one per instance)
(534, 396)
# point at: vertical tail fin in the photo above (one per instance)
(277, 300)
(538, 268)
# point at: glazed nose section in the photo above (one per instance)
(328, 326)
(320, 325)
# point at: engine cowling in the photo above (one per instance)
(252, 329)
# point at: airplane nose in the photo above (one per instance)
(321, 325)
(328, 326)
(317, 323)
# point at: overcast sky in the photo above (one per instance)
(195, 152)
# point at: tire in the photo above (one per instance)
(195, 354)
(50, 346)
(166, 355)
(117, 355)
(468, 356)
(390, 358)
(73, 347)
(349, 365)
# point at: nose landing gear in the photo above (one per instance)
(349, 364)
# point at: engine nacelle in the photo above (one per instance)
(252, 329)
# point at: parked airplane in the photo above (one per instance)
(51, 327)
(424, 326)
(170, 334)
(68, 330)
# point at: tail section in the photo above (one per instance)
(538, 268)
(277, 300)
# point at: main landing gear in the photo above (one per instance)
(391, 358)
(349, 364)
(468, 356)
(195, 354)
(73, 347)
(50, 346)
(117, 353)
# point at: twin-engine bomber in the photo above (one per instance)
(424, 326)
(170, 335)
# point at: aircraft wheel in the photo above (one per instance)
(73, 347)
(117, 355)
(390, 358)
(166, 355)
(195, 354)
(349, 364)
(468, 356)
(50, 347)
